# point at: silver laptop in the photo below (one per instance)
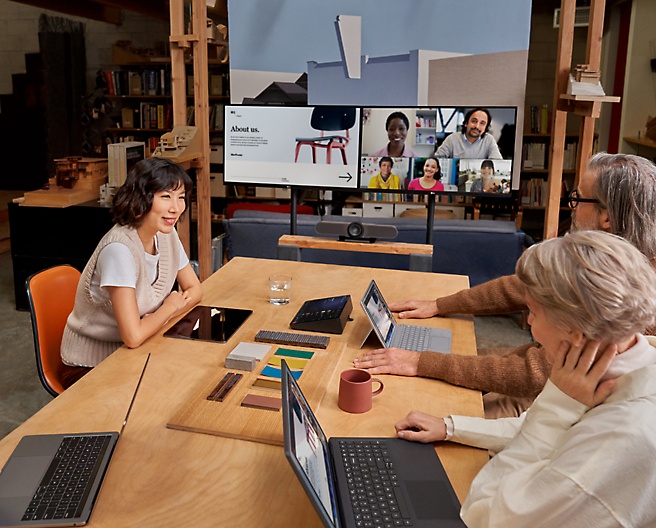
(54, 479)
(392, 334)
(373, 482)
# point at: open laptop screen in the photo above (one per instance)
(379, 313)
(308, 447)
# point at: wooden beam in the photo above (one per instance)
(201, 115)
(559, 128)
(179, 97)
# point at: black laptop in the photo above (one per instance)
(365, 482)
(54, 479)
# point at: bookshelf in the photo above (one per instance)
(534, 173)
(141, 102)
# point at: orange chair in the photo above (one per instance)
(51, 295)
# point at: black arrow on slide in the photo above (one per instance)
(348, 177)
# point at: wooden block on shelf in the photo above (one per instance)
(60, 197)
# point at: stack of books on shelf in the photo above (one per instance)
(534, 156)
(569, 157)
(142, 82)
(533, 192)
(382, 197)
(540, 119)
(148, 115)
(120, 159)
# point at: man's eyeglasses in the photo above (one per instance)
(574, 199)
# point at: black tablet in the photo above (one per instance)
(209, 323)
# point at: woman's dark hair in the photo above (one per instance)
(386, 159)
(134, 198)
(438, 174)
(397, 115)
(487, 164)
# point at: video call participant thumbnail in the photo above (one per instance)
(430, 181)
(397, 126)
(475, 142)
(385, 179)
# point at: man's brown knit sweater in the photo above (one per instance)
(520, 372)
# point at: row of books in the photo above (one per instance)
(534, 156)
(142, 82)
(540, 119)
(160, 116)
(147, 115)
(382, 197)
(533, 192)
(120, 159)
(216, 117)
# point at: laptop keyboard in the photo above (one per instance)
(376, 497)
(413, 337)
(67, 482)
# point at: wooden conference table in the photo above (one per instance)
(164, 477)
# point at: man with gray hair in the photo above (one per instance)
(617, 193)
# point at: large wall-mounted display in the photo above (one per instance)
(399, 149)
(424, 53)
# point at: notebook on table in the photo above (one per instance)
(353, 482)
(54, 479)
(392, 334)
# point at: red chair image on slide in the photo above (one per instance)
(328, 119)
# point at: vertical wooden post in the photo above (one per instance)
(589, 112)
(559, 128)
(198, 42)
(201, 112)
(178, 93)
(593, 57)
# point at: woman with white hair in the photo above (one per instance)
(584, 454)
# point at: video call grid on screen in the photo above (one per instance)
(272, 145)
(428, 128)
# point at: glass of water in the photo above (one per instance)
(279, 286)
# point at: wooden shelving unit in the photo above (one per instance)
(196, 43)
(587, 107)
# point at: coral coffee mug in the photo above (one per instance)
(356, 390)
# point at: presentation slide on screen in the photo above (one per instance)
(283, 145)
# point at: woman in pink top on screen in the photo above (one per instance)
(397, 126)
(430, 181)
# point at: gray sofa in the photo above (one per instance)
(481, 249)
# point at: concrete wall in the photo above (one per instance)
(19, 26)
